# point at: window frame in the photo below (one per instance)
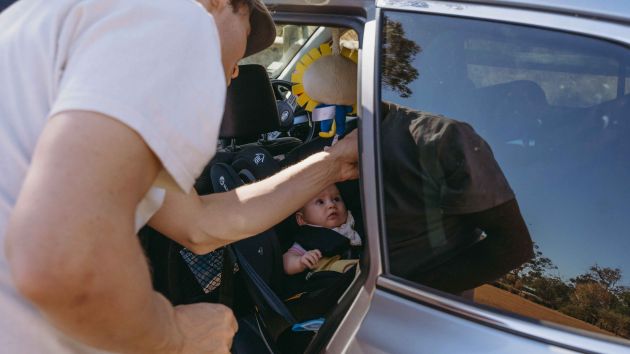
(553, 334)
(353, 305)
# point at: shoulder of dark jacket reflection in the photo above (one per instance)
(432, 125)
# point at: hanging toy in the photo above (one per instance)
(326, 85)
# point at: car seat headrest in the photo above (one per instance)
(255, 163)
(250, 107)
(224, 178)
(203, 184)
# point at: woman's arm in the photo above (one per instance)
(203, 224)
(73, 252)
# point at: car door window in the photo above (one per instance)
(289, 40)
(482, 121)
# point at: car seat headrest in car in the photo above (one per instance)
(250, 107)
(516, 113)
(255, 163)
(203, 184)
(224, 178)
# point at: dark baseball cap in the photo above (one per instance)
(263, 30)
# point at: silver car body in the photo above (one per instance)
(387, 314)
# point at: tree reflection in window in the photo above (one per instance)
(594, 297)
(398, 54)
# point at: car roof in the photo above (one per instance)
(615, 10)
(611, 10)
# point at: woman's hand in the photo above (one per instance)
(207, 328)
(346, 154)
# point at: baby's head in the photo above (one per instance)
(327, 209)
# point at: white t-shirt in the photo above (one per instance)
(155, 65)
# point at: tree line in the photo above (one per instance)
(595, 297)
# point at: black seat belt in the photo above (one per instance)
(226, 290)
(263, 295)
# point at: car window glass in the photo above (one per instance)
(480, 119)
(581, 78)
(289, 40)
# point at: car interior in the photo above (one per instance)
(259, 136)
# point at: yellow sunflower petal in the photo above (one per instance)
(306, 60)
(314, 53)
(300, 67)
(298, 89)
(303, 99)
(325, 49)
(310, 106)
(297, 77)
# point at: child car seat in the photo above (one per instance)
(250, 111)
(173, 277)
(276, 315)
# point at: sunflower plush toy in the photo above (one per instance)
(326, 85)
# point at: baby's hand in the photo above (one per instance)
(310, 258)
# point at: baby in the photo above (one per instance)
(327, 210)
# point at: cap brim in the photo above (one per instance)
(263, 30)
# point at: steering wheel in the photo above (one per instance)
(294, 119)
(281, 87)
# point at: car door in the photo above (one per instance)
(548, 91)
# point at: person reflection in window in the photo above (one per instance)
(452, 219)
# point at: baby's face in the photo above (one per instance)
(326, 209)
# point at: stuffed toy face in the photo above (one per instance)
(322, 77)
(327, 85)
(332, 80)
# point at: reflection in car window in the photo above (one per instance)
(554, 109)
(289, 40)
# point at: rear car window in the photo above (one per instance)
(554, 108)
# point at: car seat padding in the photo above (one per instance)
(254, 163)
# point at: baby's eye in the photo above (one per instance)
(319, 202)
(337, 199)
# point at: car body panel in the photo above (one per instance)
(612, 10)
(398, 325)
(532, 336)
(391, 316)
(369, 182)
(607, 9)
(560, 21)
